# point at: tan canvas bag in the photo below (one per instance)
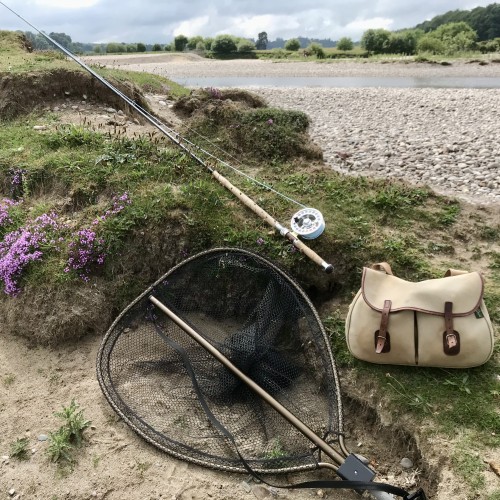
(438, 322)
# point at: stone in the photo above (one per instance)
(406, 463)
(260, 491)
(246, 486)
(43, 437)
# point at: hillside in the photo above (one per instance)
(484, 20)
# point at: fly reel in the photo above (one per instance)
(308, 223)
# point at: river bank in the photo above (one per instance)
(444, 138)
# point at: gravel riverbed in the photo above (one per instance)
(448, 139)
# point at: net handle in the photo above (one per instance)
(298, 424)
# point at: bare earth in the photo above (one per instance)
(116, 464)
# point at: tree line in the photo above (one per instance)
(454, 31)
(485, 21)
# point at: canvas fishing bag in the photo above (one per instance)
(438, 322)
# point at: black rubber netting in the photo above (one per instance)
(176, 395)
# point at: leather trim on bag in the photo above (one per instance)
(473, 307)
(451, 338)
(382, 338)
(415, 335)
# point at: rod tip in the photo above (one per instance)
(329, 269)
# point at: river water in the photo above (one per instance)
(469, 82)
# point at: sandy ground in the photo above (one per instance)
(114, 462)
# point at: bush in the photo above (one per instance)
(317, 50)
(245, 46)
(293, 44)
(345, 43)
(157, 47)
(431, 45)
(223, 44)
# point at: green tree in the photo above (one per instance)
(61, 39)
(157, 47)
(292, 44)
(448, 39)
(224, 44)
(376, 40)
(180, 43)
(317, 50)
(193, 42)
(245, 46)
(97, 49)
(208, 43)
(262, 41)
(431, 45)
(485, 21)
(141, 47)
(345, 43)
(114, 47)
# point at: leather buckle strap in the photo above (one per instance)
(382, 338)
(451, 338)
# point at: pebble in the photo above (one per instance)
(246, 486)
(445, 138)
(261, 491)
(12, 492)
(110, 110)
(40, 127)
(43, 437)
(406, 463)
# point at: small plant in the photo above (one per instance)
(19, 449)
(69, 435)
(142, 467)
(9, 380)
(60, 448)
(75, 422)
(25, 245)
(276, 450)
(461, 383)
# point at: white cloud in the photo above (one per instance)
(67, 4)
(192, 27)
(251, 26)
(357, 27)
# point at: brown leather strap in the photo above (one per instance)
(454, 272)
(451, 338)
(382, 266)
(382, 335)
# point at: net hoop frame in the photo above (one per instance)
(112, 396)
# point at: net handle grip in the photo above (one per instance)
(284, 412)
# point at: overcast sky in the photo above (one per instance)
(152, 21)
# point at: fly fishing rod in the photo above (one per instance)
(307, 221)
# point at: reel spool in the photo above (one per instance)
(308, 223)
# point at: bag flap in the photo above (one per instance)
(465, 291)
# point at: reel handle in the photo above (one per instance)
(310, 253)
(272, 221)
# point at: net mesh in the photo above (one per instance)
(181, 399)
